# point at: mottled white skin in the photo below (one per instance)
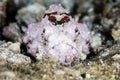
(61, 41)
(59, 9)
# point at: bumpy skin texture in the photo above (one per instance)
(58, 36)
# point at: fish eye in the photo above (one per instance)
(65, 19)
(52, 18)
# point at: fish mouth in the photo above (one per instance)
(64, 44)
(64, 56)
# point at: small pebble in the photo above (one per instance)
(116, 57)
(15, 47)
